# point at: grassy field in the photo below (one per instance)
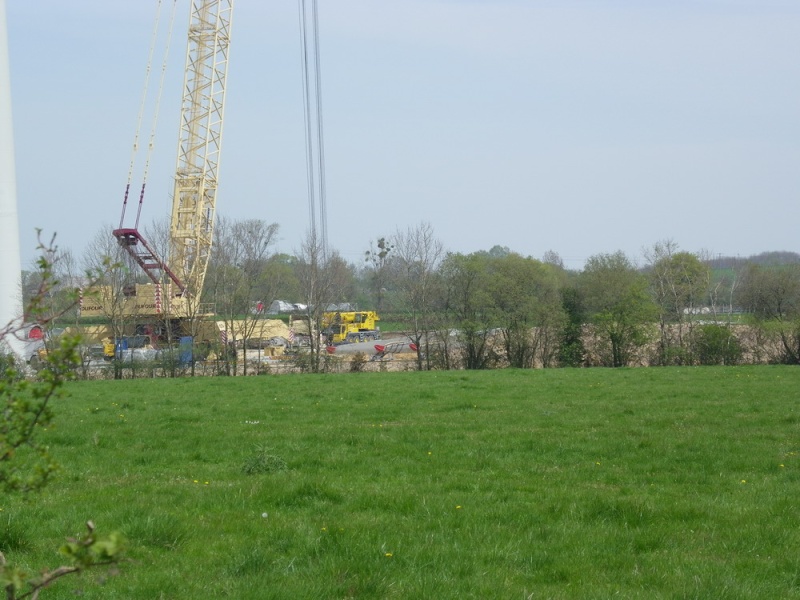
(641, 483)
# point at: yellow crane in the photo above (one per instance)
(196, 178)
(342, 327)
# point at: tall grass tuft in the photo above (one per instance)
(261, 461)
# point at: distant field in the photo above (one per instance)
(636, 483)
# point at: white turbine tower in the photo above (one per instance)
(10, 263)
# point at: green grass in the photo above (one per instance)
(641, 483)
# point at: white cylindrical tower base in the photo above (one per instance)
(10, 264)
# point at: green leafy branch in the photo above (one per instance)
(25, 461)
(81, 553)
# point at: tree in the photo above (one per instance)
(238, 278)
(59, 296)
(551, 257)
(717, 345)
(419, 254)
(772, 295)
(325, 278)
(679, 285)
(572, 352)
(282, 270)
(110, 291)
(525, 300)
(618, 304)
(722, 292)
(466, 304)
(257, 238)
(377, 259)
(56, 296)
(164, 324)
(497, 251)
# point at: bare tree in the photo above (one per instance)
(166, 323)
(377, 259)
(238, 279)
(419, 253)
(108, 296)
(551, 257)
(323, 280)
(257, 238)
(722, 291)
(57, 296)
(221, 282)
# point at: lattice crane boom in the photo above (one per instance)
(197, 171)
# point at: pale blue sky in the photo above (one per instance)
(577, 126)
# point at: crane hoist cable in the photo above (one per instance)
(312, 208)
(156, 112)
(151, 142)
(143, 102)
(323, 210)
(315, 147)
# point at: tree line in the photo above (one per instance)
(497, 308)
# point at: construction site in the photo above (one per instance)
(155, 313)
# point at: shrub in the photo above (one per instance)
(717, 345)
(358, 362)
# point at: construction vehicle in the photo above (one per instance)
(114, 349)
(169, 304)
(176, 282)
(350, 327)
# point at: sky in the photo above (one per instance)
(577, 126)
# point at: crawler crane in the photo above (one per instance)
(177, 281)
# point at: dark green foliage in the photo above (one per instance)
(572, 352)
(526, 307)
(617, 302)
(467, 304)
(717, 345)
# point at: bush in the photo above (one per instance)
(717, 345)
(358, 362)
